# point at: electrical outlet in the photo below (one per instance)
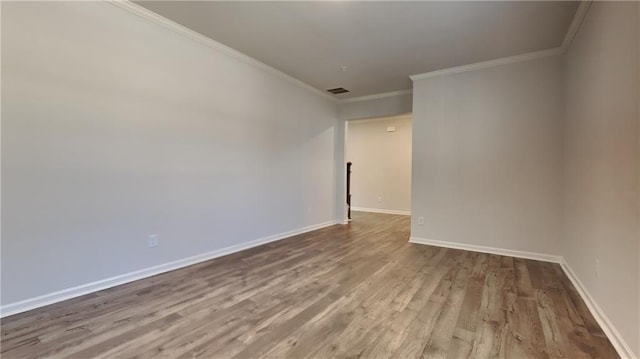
(154, 240)
(421, 221)
(597, 268)
(380, 199)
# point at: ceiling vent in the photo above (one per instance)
(338, 90)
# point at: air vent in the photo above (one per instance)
(338, 90)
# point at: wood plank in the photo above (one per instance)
(359, 290)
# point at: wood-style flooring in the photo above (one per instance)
(346, 291)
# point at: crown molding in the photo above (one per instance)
(193, 35)
(377, 96)
(578, 18)
(399, 116)
(491, 63)
(142, 12)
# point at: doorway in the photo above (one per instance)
(379, 150)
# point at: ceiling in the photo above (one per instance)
(380, 43)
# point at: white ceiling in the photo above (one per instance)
(380, 43)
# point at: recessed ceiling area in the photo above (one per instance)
(379, 43)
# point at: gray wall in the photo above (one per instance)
(487, 156)
(381, 174)
(543, 156)
(114, 128)
(601, 162)
(377, 107)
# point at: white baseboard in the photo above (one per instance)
(609, 329)
(376, 210)
(58, 296)
(492, 250)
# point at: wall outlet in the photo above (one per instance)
(597, 268)
(154, 240)
(380, 199)
(421, 221)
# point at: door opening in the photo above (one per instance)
(381, 181)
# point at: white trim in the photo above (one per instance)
(58, 296)
(491, 63)
(184, 31)
(492, 250)
(376, 210)
(609, 329)
(581, 13)
(578, 18)
(138, 10)
(377, 96)
(384, 118)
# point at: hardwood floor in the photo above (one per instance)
(355, 291)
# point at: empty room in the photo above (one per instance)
(320, 179)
